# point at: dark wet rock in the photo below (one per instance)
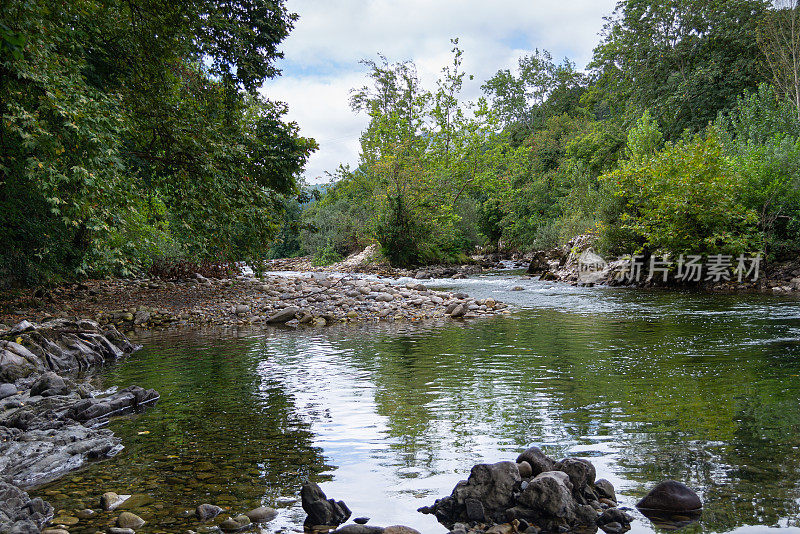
(129, 520)
(538, 263)
(549, 495)
(20, 513)
(525, 469)
(207, 512)
(604, 489)
(475, 510)
(491, 485)
(320, 509)
(614, 515)
(361, 520)
(538, 460)
(581, 474)
(262, 514)
(497, 497)
(671, 496)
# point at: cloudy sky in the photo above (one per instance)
(322, 53)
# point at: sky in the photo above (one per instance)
(322, 53)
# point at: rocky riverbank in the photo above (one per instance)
(307, 300)
(564, 265)
(51, 421)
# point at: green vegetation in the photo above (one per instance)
(133, 135)
(683, 137)
(132, 131)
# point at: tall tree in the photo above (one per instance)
(779, 39)
(538, 89)
(686, 60)
(129, 122)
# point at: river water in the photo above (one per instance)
(648, 386)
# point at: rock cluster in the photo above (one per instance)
(59, 345)
(532, 494)
(19, 513)
(51, 424)
(312, 299)
(307, 301)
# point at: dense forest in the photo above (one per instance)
(681, 137)
(133, 133)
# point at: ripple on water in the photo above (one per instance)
(647, 385)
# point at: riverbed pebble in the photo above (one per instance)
(301, 299)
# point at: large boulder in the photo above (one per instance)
(550, 494)
(488, 492)
(553, 496)
(284, 315)
(537, 459)
(538, 263)
(320, 509)
(671, 496)
(581, 474)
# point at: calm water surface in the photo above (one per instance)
(647, 385)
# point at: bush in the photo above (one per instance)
(684, 199)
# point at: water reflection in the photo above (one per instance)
(648, 386)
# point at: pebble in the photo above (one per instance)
(306, 299)
(67, 521)
(129, 520)
(262, 514)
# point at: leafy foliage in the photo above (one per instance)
(129, 131)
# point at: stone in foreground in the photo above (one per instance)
(320, 509)
(671, 496)
(535, 493)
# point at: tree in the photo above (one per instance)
(779, 39)
(685, 60)
(540, 88)
(131, 123)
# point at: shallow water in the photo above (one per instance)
(388, 417)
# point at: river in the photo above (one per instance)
(647, 385)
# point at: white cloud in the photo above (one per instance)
(331, 36)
